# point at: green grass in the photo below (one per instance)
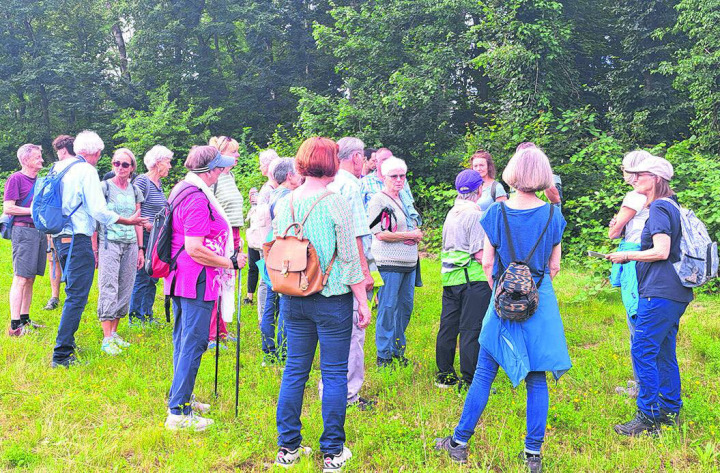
(108, 414)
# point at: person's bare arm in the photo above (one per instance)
(553, 195)
(204, 256)
(554, 262)
(11, 208)
(659, 251)
(478, 256)
(488, 260)
(392, 237)
(617, 224)
(369, 282)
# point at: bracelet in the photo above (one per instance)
(141, 247)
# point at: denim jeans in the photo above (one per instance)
(477, 398)
(79, 279)
(143, 293)
(654, 358)
(309, 320)
(190, 340)
(395, 305)
(273, 318)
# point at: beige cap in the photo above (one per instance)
(655, 165)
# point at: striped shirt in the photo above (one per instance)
(227, 193)
(329, 227)
(155, 199)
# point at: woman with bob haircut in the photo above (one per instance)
(158, 163)
(663, 300)
(117, 252)
(492, 191)
(204, 274)
(325, 317)
(628, 224)
(395, 248)
(525, 350)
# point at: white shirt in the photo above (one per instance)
(633, 229)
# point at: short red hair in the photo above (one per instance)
(317, 157)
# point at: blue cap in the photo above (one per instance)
(468, 181)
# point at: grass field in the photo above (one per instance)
(108, 414)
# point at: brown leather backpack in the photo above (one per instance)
(292, 262)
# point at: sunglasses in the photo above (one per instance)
(118, 164)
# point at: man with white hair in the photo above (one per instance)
(347, 184)
(28, 243)
(83, 201)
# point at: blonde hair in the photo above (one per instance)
(127, 153)
(528, 171)
(224, 144)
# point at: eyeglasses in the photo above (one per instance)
(397, 177)
(118, 164)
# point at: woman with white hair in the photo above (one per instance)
(663, 300)
(628, 224)
(395, 248)
(158, 164)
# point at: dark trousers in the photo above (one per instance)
(253, 273)
(463, 310)
(78, 281)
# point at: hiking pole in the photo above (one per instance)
(217, 345)
(237, 344)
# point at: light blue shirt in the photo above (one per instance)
(348, 186)
(81, 184)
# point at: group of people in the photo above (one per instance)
(359, 215)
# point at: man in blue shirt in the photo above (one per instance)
(80, 189)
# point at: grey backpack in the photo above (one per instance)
(698, 253)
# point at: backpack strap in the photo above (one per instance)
(301, 226)
(537, 243)
(493, 190)
(508, 236)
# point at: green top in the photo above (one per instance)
(329, 226)
(463, 236)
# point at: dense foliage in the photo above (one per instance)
(432, 80)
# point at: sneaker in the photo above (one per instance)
(336, 462)
(109, 346)
(532, 461)
(212, 344)
(20, 331)
(189, 421)
(671, 419)
(287, 458)
(34, 324)
(198, 406)
(247, 301)
(458, 454)
(67, 363)
(52, 304)
(362, 404)
(383, 362)
(119, 341)
(402, 361)
(230, 338)
(638, 425)
(446, 380)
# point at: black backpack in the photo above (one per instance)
(516, 294)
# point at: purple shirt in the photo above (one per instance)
(17, 187)
(193, 217)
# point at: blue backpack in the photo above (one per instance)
(47, 205)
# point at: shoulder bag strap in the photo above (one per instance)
(399, 204)
(327, 193)
(508, 236)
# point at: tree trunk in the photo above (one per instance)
(120, 43)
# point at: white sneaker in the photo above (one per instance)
(119, 341)
(287, 458)
(190, 421)
(109, 346)
(198, 406)
(336, 462)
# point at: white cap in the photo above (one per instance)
(655, 165)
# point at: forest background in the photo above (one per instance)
(431, 80)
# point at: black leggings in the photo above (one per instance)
(253, 273)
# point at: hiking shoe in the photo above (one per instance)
(67, 363)
(383, 362)
(402, 361)
(532, 461)
(446, 380)
(336, 462)
(189, 421)
(198, 406)
(638, 425)
(109, 346)
(119, 341)
(33, 324)
(52, 304)
(671, 419)
(20, 331)
(247, 301)
(458, 454)
(362, 404)
(287, 458)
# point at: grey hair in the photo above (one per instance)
(468, 195)
(283, 167)
(88, 142)
(26, 150)
(268, 156)
(156, 154)
(393, 163)
(633, 158)
(349, 145)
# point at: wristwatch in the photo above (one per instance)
(141, 248)
(234, 261)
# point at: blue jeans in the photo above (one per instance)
(190, 340)
(143, 293)
(79, 279)
(273, 317)
(653, 355)
(477, 398)
(395, 305)
(307, 321)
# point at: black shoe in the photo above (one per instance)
(362, 404)
(532, 461)
(402, 361)
(446, 380)
(671, 419)
(638, 425)
(66, 363)
(52, 304)
(383, 362)
(247, 301)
